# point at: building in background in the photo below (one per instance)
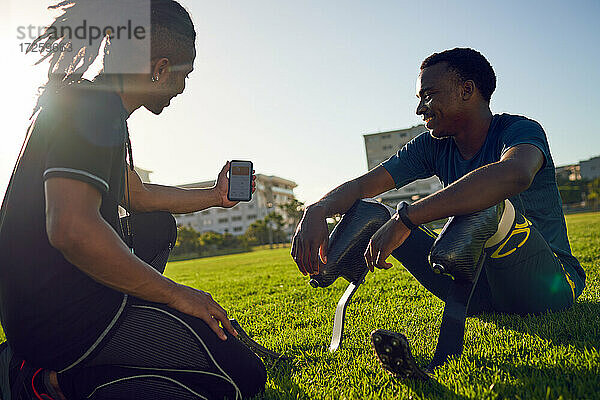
(271, 192)
(380, 146)
(571, 173)
(590, 169)
(143, 173)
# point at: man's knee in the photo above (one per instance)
(459, 247)
(165, 223)
(154, 227)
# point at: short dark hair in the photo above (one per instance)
(467, 64)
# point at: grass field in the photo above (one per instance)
(543, 357)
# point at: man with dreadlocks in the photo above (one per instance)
(505, 247)
(83, 315)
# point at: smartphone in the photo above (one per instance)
(240, 181)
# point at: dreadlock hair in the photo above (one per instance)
(468, 64)
(172, 36)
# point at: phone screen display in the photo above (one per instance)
(240, 170)
(240, 181)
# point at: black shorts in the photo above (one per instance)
(150, 351)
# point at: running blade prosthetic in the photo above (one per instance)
(258, 349)
(345, 256)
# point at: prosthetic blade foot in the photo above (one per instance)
(345, 256)
(459, 252)
(340, 315)
(258, 349)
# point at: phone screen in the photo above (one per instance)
(240, 181)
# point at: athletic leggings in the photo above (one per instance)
(521, 274)
(151, 351)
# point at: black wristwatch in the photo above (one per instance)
(401, 210)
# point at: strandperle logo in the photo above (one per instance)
(85, 31)
(122, 25)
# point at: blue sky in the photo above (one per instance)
(294, 85)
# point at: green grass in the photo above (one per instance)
(543, 357)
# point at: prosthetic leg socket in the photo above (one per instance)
(459, 252)
(345, 256)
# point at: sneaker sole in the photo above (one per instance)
(393, 352)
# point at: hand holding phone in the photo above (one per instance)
(240, 181)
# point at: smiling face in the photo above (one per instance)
(170, 82)
(440, 100)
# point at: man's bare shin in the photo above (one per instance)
(55, 385)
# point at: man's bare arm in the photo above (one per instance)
(147, 197)
(76, 228)
(481, 188)
(476, 191)
(311, 237)
(340, 199)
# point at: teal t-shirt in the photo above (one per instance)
(426, 156)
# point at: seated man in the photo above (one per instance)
(86, 315)
(483, 161)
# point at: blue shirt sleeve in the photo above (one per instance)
(525, 131)
(411, 162)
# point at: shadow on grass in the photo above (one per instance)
(552, 382)
(281, 372)
(578, 326)
(431, 389)
(282, 387)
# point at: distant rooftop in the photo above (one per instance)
(420, 126)
(206, 184)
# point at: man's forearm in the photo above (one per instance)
(94, 247)
(474, 192)
(340, 199)
(174, 200)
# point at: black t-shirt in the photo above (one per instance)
(51, 311)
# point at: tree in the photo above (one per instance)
(267, 230)
(593, 193)
(211, 242)
(187, 241)
(192, 243)
(257, 232)
(293, 210)
(572, 193)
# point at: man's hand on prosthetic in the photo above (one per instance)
(222, 186)
(391, 235)
(309, 245)
(201, 305)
